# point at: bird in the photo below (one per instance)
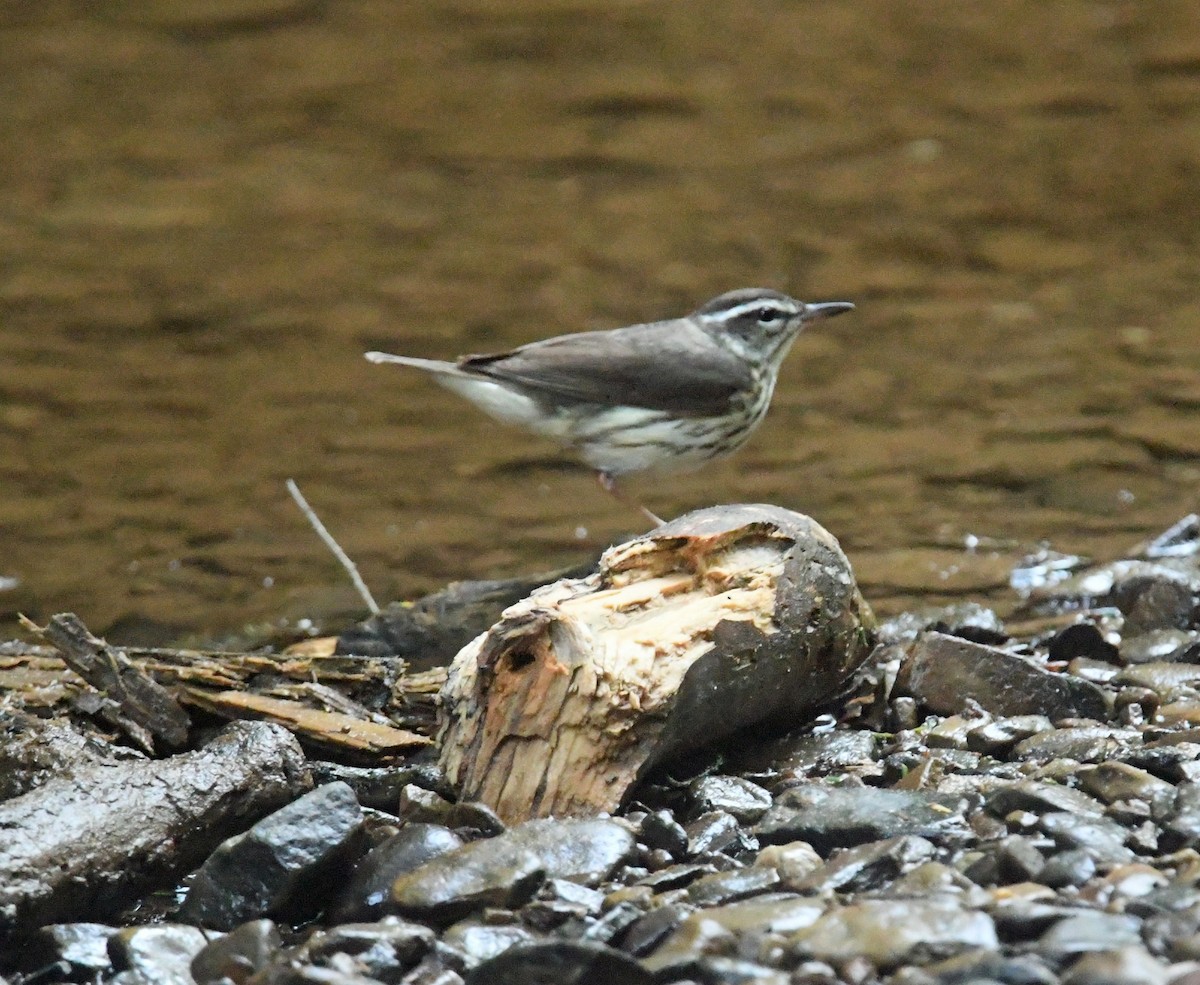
(661, 396)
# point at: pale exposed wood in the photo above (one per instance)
(333, 730)
(721, 619)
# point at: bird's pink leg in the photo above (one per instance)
(609, 485)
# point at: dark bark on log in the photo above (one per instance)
(141, 706)
(82, 847)
(429, 631)
(34, 751)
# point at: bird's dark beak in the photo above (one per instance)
(826, 309)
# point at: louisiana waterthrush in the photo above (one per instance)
(667, 395)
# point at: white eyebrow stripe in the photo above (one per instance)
(747, 307)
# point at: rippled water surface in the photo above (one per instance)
(208, 210)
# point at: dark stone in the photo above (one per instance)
(982, 967)
(161, 952)
(651, 929)
(480, 942)
(614, 923)
(839, 817)
(1083, 639)
(1102, 838)
(726, 887)
(560, 963)
(676, 876)
(743, 800)
(887, 932)
(943, 671)
(1160, 645)
(1130, 965)
(238, 954)
(661, 830)
(508, 869)
(1001, 734)
(283, 866)
(480, 874)
(1070, 868)
(1041, 798)
(369, 888)
(712, 832)
(868, 867)
(380, 787)
(1088, 931)
(1018, 860)
(81, 947)
(1182, 830)
(1084, 744)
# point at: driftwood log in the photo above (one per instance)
(81, 846)
(719, 620)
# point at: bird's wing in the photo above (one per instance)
(661, 366)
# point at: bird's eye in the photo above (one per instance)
(767, 315)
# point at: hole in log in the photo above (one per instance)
(520, 658)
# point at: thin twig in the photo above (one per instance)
(334, 546)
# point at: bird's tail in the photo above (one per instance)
(436, 366)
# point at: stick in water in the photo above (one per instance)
(333, 545)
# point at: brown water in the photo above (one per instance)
(210, 208)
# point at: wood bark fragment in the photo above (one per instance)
(332, 731)
(717, 621)
(81, 847)
(141, 706)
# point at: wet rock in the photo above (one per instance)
(980, 967)
(1089, 931)
(743, 800)
(238, 954)
(794, 862)
(676, 876)
(1102, 838)
(727, 887)
(1084, 744)
(815, 754)
(1160, 645)
(283, 866)
(868, 867)
(1125, 966)
(1183, 827)
(776, 913)
(421, 806)
(576, 963)
(163, 952)
(1113, 782)
(715, 831)
(1018, 860)
(81, 947)
(999, 735)
(649, 930)
(383, 950)
(887, 932)
(696, 937)
(380, 787)
(661, 830)
(508, 869)
(482, 873)
(1082, 640)
(1041, 798)
(941, 671)
(620, 916)
(480, 942)
(840, 817)
(1073, 867)
(369, 888)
